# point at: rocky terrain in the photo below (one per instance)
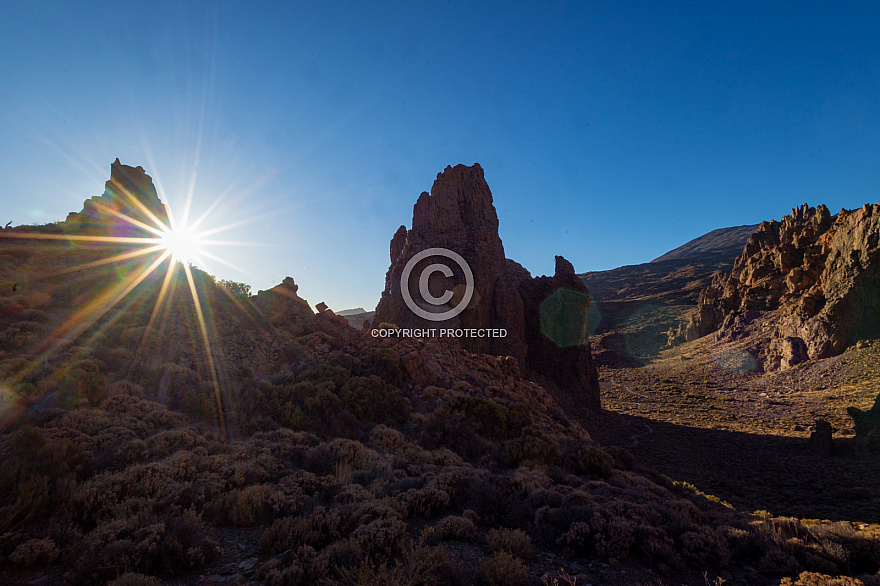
(804, 288)
(357, 317)
(152, 438)
(544, 317)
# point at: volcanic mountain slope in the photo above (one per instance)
(635, 306)
(244, 439)
(722, 241)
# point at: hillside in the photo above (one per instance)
(161, 427)
(722, 241)
(635, 306)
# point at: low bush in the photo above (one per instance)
(513, 541)
(35, 552)
(458, 528)
(502, 569)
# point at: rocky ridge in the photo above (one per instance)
(805, 287)
(545, 317)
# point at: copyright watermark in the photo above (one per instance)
(438, 333)
(425, 293)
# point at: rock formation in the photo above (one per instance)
(821, 442)
(867, 425)
(545, 318)
(129, 192)
(811, 282)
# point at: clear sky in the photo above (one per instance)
(610, 132)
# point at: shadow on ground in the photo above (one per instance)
(750, 471)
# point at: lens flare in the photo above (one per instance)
(161, 240)
(184, 244)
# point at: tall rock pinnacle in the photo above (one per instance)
(129, 192)
(545, 317)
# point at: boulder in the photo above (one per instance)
(820, 439)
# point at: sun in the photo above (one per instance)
(163, 238)
(183, 242)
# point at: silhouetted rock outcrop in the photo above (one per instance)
(867, 424)
(810, 282)
(545, 318)
(820, 439)
(129, 192)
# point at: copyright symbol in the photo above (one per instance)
(423, 284)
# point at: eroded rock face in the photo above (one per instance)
(545, 317)
(817, 274)
(129, 192)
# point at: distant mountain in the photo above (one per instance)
(634, 306)
(720, 241)
(357, 317)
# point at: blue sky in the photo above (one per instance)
(610, 132)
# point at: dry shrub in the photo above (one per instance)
(35, 552)
(531, 481)
(119, 358)
(459, 528)
(497, 500)
(417, 565)
(169, 441)
(551, 523)
(130, 579)
(623, 458)
(562, 578)
(813, 579)
(315, 530)
(143, 543)
(382, 538)
(37, 299)
(533, 449)
(358, 456)
(513, 541)
(421, 502)
(777, 562)
(546, 497)
(371, 399)
(345, 553)
(705, 547)
(612, 538)
(247, 507)
(385, 438)
(657, 547)
(502, 569)
(587, 458)
(443, 428)
(273, 573)
(577, 540)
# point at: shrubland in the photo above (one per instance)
(349, 459)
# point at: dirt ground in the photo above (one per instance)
(697, 413)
